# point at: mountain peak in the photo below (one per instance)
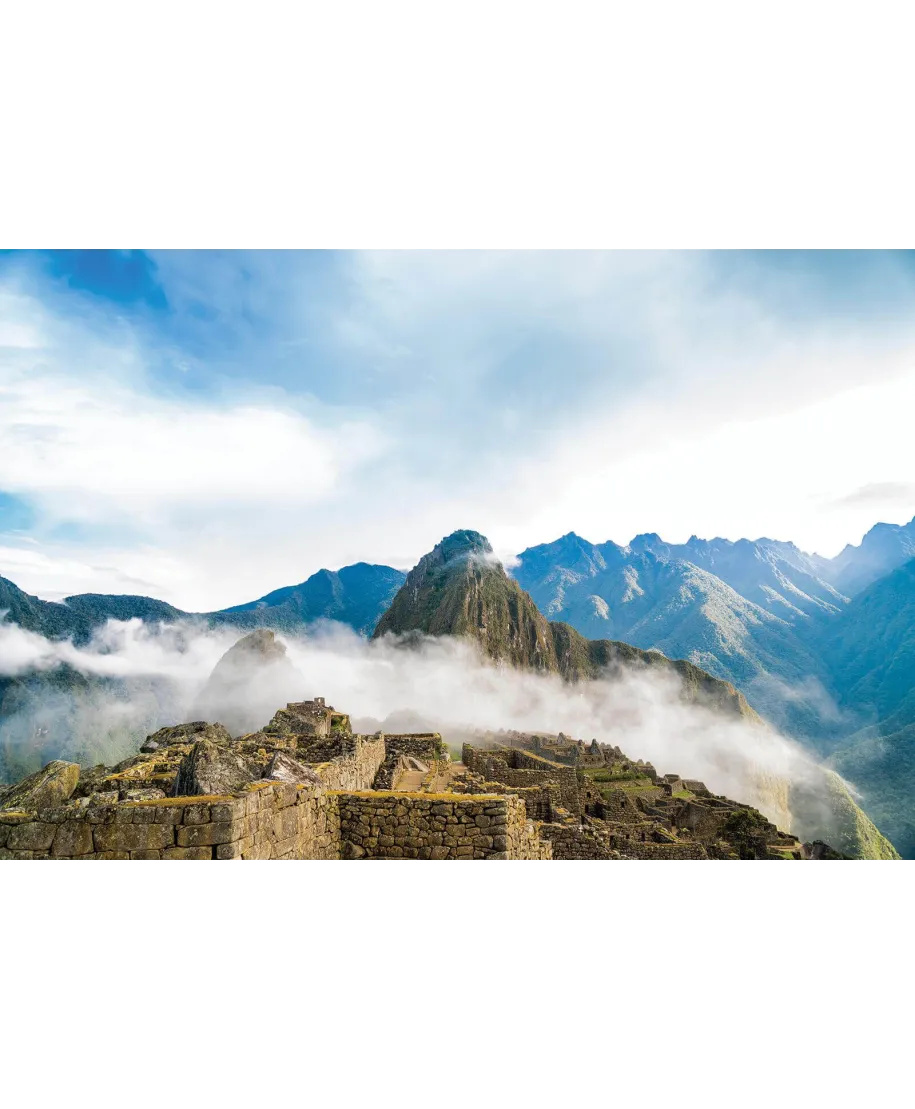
(462, 542)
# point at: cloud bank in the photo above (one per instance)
(155, 674)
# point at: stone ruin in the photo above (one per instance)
(307, 787)
(590, 801)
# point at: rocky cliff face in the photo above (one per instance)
(460, 589)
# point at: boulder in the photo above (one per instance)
(212, 768)
(185, 733)
(90, 780)
(143, 794)
(104, 797)
(46, 789)
(284, 768)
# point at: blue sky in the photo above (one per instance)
(208, 426)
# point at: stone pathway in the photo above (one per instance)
(410, 781)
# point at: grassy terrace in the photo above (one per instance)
(630, 781)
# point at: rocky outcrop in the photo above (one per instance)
(185, 733)
(284, 768)
(212, 768)
(47, 788)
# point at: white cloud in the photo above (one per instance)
(95, 453)
(523, 395)
(88, 445)
(88, 441)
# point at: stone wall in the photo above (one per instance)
(576, 841)
(592, 841)
(388, 825)
(353, 761)
(664, 851)
(541, 802)
(269, 820)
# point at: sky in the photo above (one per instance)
(204, 427)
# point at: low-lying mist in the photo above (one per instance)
(96, 703)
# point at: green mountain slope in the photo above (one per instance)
(652, 599)
(871, 654)
(356, 595)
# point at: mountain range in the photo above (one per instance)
(822, 648)
(355, 595)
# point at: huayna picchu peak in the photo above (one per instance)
(459, 589)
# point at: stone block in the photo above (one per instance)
(197, 835)
(101, 814)
(73, 838)
(258, 851)
(285, 794)
(145, 814)
(133, 837)
(196, 814)
(286, 848)
(237, 848)
(168, 814)
(59, 815)
(146, 854)
(31, 837)
(287, 823)
(224, 811)
(16, 818)
(188, 853)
